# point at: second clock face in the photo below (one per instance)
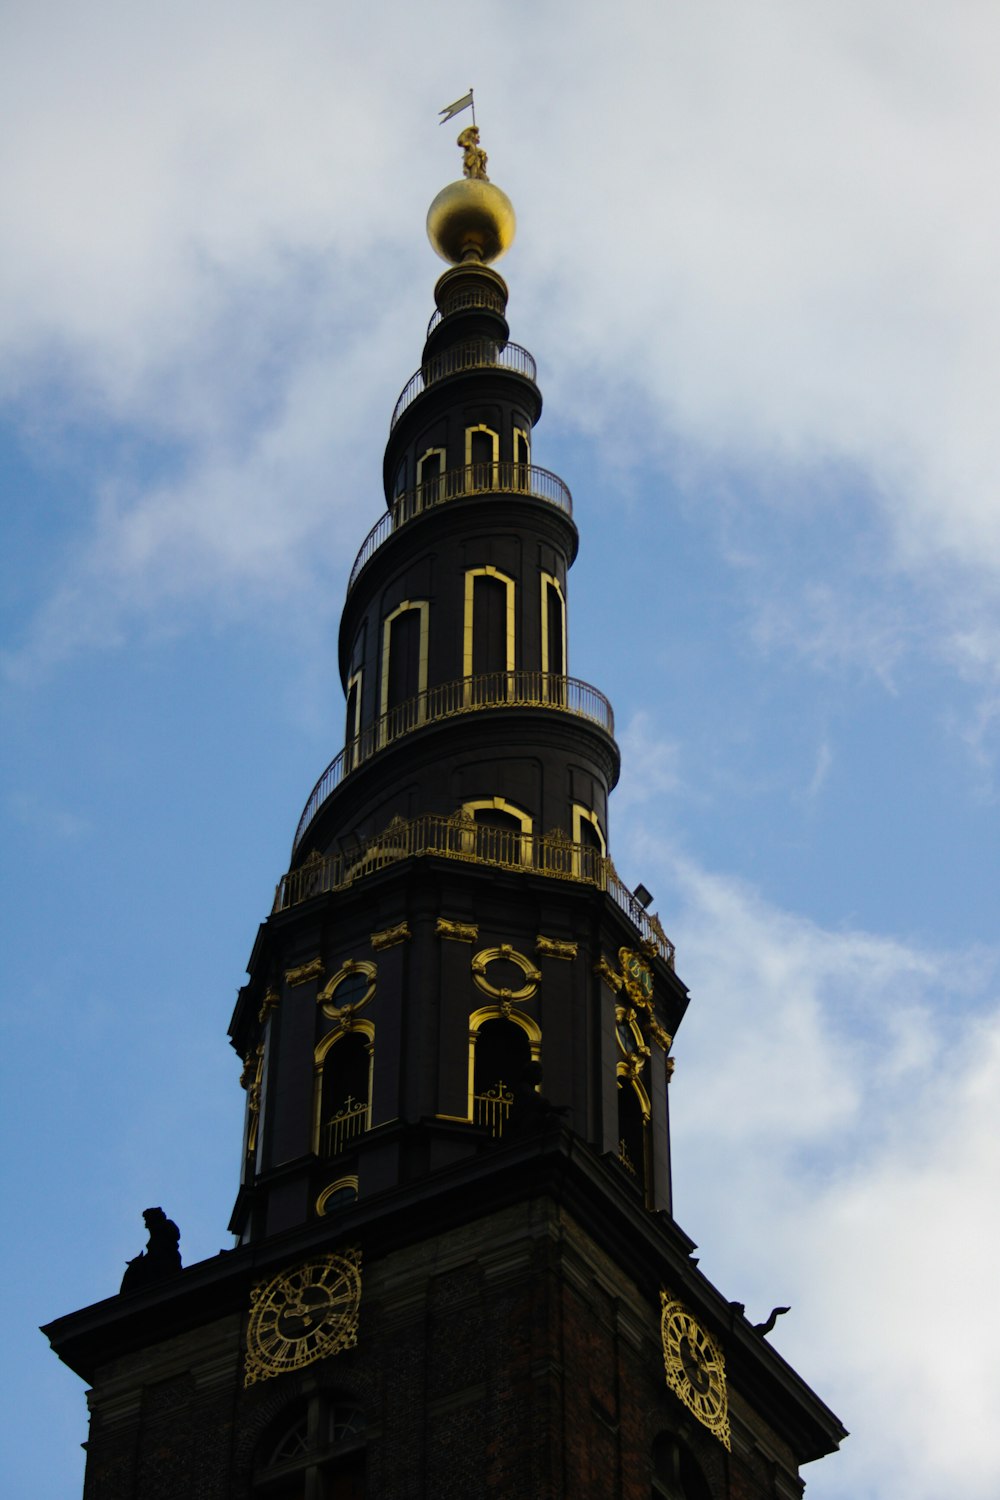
(304, 1314)
(695, 1367)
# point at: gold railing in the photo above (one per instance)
(471, 354)
(486, 478)
(351, 1120)
(446, 700)
(492, 1107)
(461, 837)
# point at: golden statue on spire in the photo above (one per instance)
(471, 219)
(473, 156)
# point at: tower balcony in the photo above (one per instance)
(491, 690)
(462, 838)
(471, 354)
(457, 484)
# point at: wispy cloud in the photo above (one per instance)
(835, 1125)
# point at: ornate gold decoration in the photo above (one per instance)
(555, 947)
(302, 1315)
(458, 932)
(347, 970)
(312, 970)
(474, 158)
(253, 1101)
(695, 1366)
(487, 956)
(269, 1003)
(390, 936)
(638, 977)
(671, 1065)
(630, 1039)
(604, 971)
(660, 1035)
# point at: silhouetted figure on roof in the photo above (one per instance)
(162, 1256)
(530, 1111)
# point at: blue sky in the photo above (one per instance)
(756, 265)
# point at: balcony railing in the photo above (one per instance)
(473, 354)
(351, 1120)
(462, 838)
(475, 479)
(445, 701)
(492, 1107)
(471, 297)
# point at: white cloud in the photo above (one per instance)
(836, 1141)
(769, 234)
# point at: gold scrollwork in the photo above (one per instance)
(671, 1065)
(301, 975)
(347, 970)
(554, 947)
(253, 1100)
(390, 936)
(638, 977)
(458, 932)
(269, 1003)
(505, 952)
(611, 978)
(659, 1033)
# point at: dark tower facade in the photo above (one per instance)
(457, 1271)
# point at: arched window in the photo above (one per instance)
(352, 730)
(498, 832)
(430, 471)
(343, 1088)
(316, 1447)
(633, 1130)
(404, 668)
(522, 455)
(500, 1048)
(587, 833)
(482, 455)
(488, 634)
(553, 634)
(676, 1475)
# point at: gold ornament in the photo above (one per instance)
(695, 1367)
(303, 1315)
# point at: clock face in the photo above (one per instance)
(638, 976)
(695, 1367)
(303, 1315)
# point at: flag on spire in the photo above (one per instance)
(456, 109)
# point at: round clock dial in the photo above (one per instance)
(303, 1315)
(695, 1367)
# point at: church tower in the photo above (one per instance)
(457, 1273)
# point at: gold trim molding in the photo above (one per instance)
(312, 970)
(487, 956)
(555, 947)
(390, 936)
(458, 932)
